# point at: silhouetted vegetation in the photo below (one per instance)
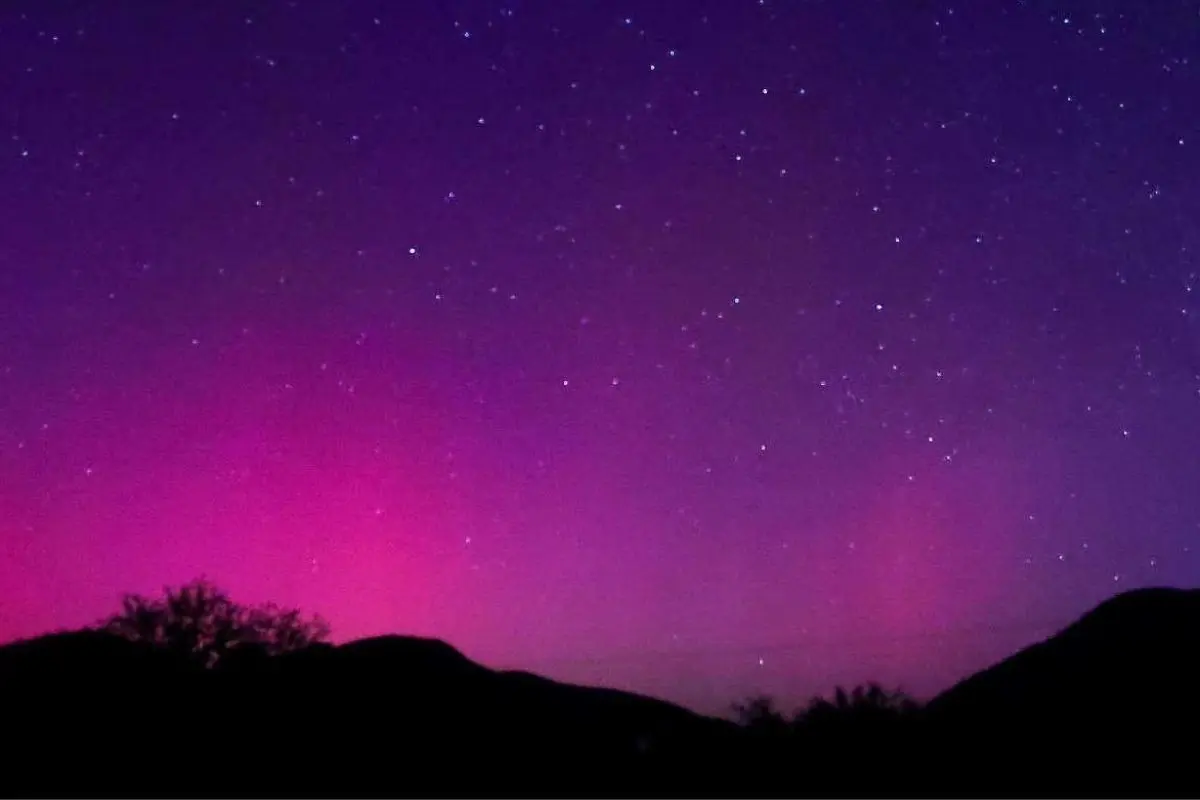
(759, 714)
(868, 704)
(200, 621)
(867, 710)
(401, 715)
(866, 723)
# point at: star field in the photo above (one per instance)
(748, 346)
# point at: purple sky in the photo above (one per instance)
(699, 349)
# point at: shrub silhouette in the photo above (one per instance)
(760, 716)
(199, 621)
(865, 711)
(864, 703)
(874, 723)
(861, 740)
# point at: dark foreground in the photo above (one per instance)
(1108, 707)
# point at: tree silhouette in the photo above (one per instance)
(759, 715)
(863, 701)
(866, 713)
(199, 621)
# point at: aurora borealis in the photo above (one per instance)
(696, 349)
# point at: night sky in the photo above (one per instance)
(699, 349)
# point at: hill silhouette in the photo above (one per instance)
(402, 712)
(1105, 706)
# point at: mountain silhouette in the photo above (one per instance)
(1106, 706)
(1110, 703)
(393, 712)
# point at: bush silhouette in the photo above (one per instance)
(860, 706)
(863, 703)
(866, 711)
(760, 716)
(199, 621)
